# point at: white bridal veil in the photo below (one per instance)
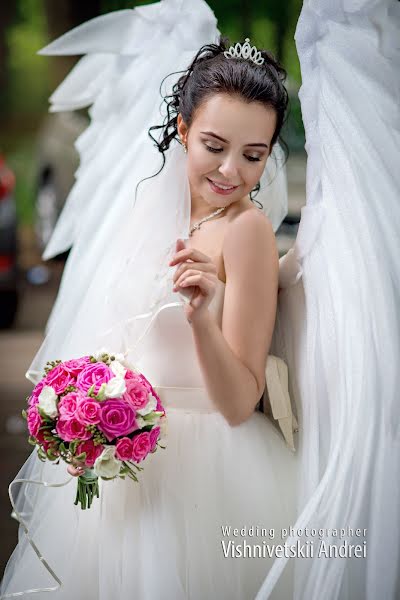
(337, 323)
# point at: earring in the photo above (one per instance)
(184, 148)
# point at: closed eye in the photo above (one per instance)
(249, 158)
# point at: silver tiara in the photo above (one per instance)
(245, 51)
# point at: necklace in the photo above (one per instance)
(214, 214)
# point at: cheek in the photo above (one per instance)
(200, 163)
(254, 174)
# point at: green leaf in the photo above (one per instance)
(152, 414)
(51, 455)
(101, 394)
(81, 456)
(72, 446)
(41, 453)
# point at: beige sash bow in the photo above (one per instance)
(276, 398)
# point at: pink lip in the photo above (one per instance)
(221, 182)
(218, 190)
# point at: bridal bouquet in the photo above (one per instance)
(99, 411)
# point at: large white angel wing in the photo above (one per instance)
(119, 77)
(338, 324)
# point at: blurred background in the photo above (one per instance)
(37, 165)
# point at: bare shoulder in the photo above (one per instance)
(250, 240)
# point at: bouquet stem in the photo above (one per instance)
(87, 489)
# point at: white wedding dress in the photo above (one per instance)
(162, 537)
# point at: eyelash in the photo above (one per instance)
(249, 158)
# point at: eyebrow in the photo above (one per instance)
(226, 141)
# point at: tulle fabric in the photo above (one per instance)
(162, 537)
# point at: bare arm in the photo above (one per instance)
(233, 360)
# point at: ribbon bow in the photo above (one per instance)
(276, 398)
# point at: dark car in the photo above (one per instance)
(8, 247)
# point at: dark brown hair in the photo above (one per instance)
(212, 73)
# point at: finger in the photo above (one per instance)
(74, 471)
(188, 273)
(78, 465)
(188, 268)
(187, 253)
(179, 244)
(205, 283)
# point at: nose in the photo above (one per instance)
(229, 168)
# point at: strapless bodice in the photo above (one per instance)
(168, 356)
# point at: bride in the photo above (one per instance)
(226, 481)
(178, 271)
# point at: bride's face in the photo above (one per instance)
(228, 143)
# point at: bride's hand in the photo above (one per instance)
(77, 469)
(199, 277)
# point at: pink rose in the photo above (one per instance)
(33, 420)
(117, 418)
(75, 365)
(159, 406)
(59, 379)
(34, 397)
(123, 449)
(130, 374)
(45, 443)
(88, 411)
(145, 382)
(72, 429)
(140, 378)
(154, 433)
(94, 373)
(136, 394)
(92, 451)
(140, 446)
(68, 404)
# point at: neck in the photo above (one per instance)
(200, 208)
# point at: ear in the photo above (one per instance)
(182, 128)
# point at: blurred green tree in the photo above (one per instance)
(7, 13)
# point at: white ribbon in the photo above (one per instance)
(17, 515)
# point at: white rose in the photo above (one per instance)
(106, 465)
(47, 401)
(117, 368)
(140, 422)
(115, 387)
(150, 406)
